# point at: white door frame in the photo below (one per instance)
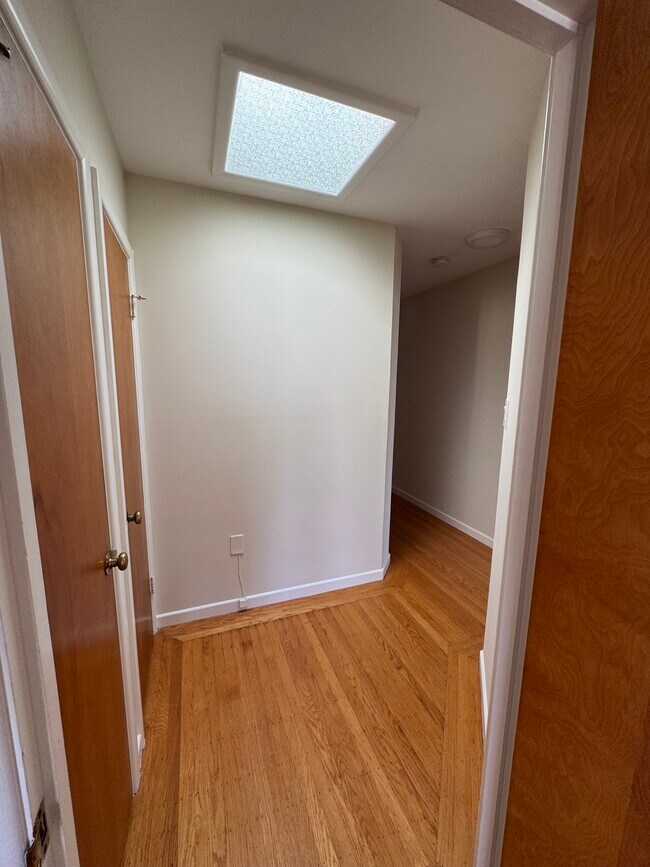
(529, 20)
(569, 44)
(116, 495)
(103, 209)
(530, 435)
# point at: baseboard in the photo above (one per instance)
(448, 519)
(484, 693)
(227, 606)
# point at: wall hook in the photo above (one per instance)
(135, 298)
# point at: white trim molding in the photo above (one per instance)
(561, 161)
(122, 237)
(448, 519)
(114, 479)
(299, 591)
(484, 691)
(144, 454)
(531, 21)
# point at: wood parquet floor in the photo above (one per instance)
(343, 729)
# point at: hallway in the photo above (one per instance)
(339, 729)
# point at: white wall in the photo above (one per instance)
(451, 387)
(53, 30)
(519, 340)
(266, 354)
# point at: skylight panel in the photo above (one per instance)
(293, 137)
(283, 135)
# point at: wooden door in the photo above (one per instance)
(580, 787)
(118, 283)
(41, 230)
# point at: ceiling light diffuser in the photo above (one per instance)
(276, 131)
(297, 139)
(487, 238)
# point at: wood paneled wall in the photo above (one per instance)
(580, 790)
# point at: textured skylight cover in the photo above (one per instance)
(287, 136)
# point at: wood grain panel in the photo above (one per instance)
(41, 231)
(119, 290)
(577, 794)
(318, 735)
(635, 844)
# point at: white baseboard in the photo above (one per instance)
(448, 519)
(484, 693)
(227, 606)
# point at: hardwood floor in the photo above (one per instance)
(344, 729)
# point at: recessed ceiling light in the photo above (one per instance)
(297, 139)
(487, 238)
(276, 130)
(437, 261)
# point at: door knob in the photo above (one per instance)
(135, 518)
(113, 559)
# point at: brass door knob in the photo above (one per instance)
(113, 559)
(135, 518)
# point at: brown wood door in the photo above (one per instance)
(580, 788)
(118, 283)
(41, 230)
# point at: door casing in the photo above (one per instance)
(101, 210)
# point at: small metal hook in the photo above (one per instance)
(135, 298)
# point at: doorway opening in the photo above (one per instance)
(454, 388)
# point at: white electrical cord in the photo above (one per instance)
(241, 580)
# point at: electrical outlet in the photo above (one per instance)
(237, 544)
(243, 604)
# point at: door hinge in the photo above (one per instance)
(36, 850)
(152, 588)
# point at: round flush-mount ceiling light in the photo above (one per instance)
(438, 261)
(487, 238)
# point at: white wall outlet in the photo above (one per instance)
(237, 544)
(243, 604)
